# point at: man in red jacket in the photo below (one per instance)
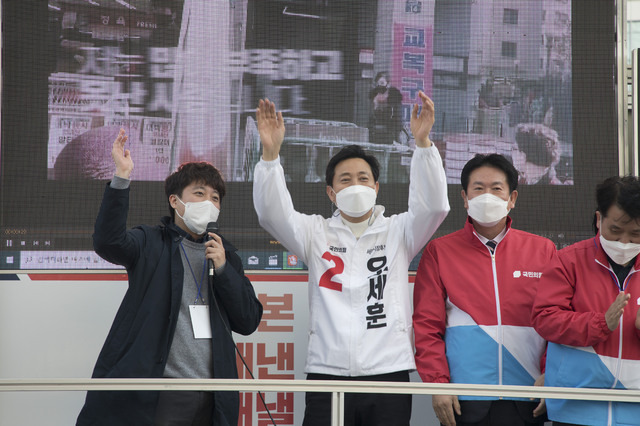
(587, 308)
(472, 303)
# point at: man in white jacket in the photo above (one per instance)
(360, 325)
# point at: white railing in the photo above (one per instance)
(337, 389)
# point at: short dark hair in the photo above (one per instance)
(621, 191)
(351, 151)
(188, 173)
(496, 161)
(384, 74)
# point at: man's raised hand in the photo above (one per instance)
(271, 129)
(422, 123)
(121, 156)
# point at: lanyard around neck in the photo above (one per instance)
(198, 284)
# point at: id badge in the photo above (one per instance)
(200, 321)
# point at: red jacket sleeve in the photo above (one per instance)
(553, 316)
(429, 320)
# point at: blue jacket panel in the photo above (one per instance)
(568, 366)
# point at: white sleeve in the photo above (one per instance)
(275, 210)
(428, 200)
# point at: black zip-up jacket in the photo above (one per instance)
(138, 343)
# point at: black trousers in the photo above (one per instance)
(363, 409)
(184, 408)
(502, 412)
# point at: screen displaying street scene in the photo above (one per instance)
(532, 80)
(184, 78)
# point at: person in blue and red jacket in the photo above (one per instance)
(587, 308)
(473, 295)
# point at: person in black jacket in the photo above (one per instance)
(173, 320)
(385, 122)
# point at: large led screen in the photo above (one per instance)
(183, 78)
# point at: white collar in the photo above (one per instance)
(497, 238)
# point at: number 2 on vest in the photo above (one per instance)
(338, 268)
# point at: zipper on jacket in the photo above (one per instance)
(621, 335)
(498, 315)
(619, 361)
(498, 312)
(614, 277)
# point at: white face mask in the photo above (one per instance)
(198, 214)
(620, 253)
(356, 200)
(487, 209)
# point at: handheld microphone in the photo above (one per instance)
(212, 227)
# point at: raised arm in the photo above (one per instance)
(111, 241)
(271, 129)
(271, 198)
(422, 123)
(121, 156)
(428, 202)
